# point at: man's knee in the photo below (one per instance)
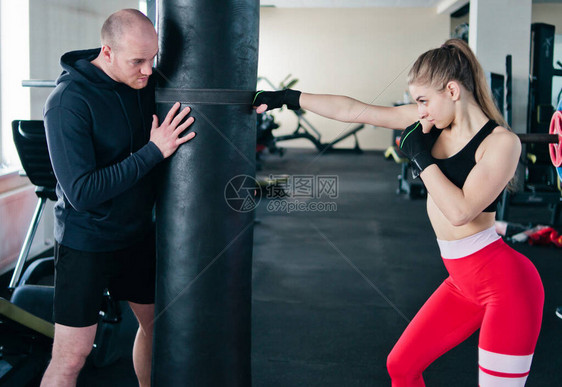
(72, 346)
(72, 362)
(145, 317)
(71, 358)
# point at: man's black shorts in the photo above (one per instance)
(81, 278)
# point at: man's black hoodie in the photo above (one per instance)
(98, 134)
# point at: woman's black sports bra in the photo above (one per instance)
(458, 166)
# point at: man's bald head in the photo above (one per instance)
(122, 22)
(129, 46)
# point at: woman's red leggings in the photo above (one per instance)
(495, 289)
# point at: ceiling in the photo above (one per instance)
(445, 4)
(348, 3)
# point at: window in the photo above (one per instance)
(14, 67)
(54, 27)
(143, 7)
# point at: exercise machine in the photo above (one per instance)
(306, 130)
(415, 189)
(541, 185)
(27, 329)
(26, 319)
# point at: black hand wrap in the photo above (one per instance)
(276, 99)
(417, 147)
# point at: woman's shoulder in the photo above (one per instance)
(502, 139)
(504, 134)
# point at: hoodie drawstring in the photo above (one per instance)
(128, 121)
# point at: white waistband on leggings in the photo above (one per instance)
(460, 248)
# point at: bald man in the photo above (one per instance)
(104, 140)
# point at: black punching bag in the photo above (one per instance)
(208, 61)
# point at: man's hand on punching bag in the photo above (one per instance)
(167, 136)
(267, 100)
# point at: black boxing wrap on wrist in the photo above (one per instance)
(276, 99)
(292, 99)
(420, 162)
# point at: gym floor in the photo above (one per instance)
(333, 290)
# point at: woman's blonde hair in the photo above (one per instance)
(454, 60)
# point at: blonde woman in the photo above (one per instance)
(458, 143)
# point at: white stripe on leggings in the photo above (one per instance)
(487, 380)
(508, 364)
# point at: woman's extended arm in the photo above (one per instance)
(346, 109)
(340, 108)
